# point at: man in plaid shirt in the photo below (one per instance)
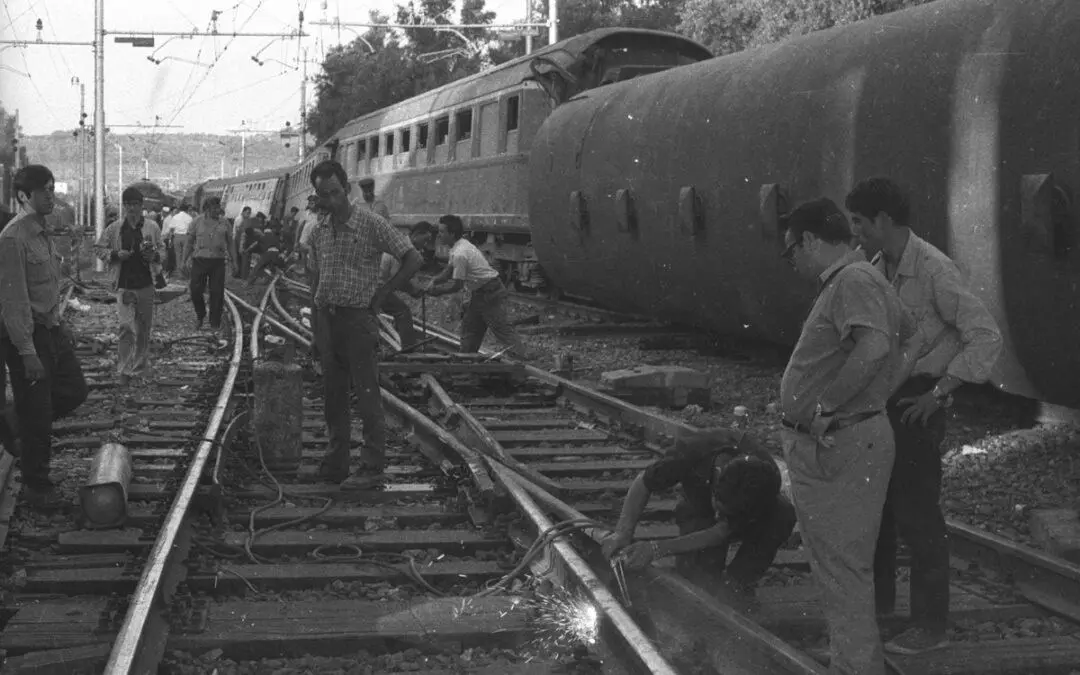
(347, 247)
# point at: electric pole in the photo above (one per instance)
(99, 125)
(244, 131)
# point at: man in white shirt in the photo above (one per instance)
(176, 231)
(485, 295)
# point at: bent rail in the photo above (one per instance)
(128, 648)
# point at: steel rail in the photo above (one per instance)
(126, 648)
(259, 315)
(269, 319)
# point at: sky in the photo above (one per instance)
(234, 93)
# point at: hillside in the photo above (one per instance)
(176, 160)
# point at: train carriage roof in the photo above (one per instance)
(496, 79)
(249, 177)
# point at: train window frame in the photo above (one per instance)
(422, 136)
(513, 113)
(388, 148)
(361, 149)
(374, 143)
(406, 140)
(442, 130)
(464, 119)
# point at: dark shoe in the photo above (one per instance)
(916, 641)
(364, 479)
(42, 499)
(198, 323)
(124, 380)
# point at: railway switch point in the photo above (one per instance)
(104, 497)
(277, 419)
(665, 386)
(1057, 532)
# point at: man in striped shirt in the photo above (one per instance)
(346, 248)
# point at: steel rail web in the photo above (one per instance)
(128, 642)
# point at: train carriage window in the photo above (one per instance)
(406, 136)
(374, 146)
(464, 125)
(442, 129)
(421, 141)
(512, 113)
(361, 150)
(390, 143)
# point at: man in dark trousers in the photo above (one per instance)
(957, 341)
(133, 249)
(421, 235)
(46, 377)
(730, 492)
(485, 294)
(367, 189)
(348, 297)
(209, 247)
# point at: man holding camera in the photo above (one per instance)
(133, 249)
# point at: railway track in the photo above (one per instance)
(489, 459)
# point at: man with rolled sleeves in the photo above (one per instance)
(956, 341)
(837, 440)
(46, 376)
(346, 248)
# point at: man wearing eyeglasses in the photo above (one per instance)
(837, 440)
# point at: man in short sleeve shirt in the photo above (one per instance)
(347, 247)
(956, 341)
(730, 492)
(485, 294)
(837, 440)
(421, 235)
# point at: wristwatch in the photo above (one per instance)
(819, 411)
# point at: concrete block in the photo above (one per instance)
(1057, 531)
(665, 386)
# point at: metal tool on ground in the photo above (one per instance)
(620, 578)
(104, 497)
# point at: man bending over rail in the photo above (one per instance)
(730, 491)
(346, 248)
(485, 294)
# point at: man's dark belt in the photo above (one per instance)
(836, 425)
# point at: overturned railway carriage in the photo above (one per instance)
(464, 148)
(662, 195)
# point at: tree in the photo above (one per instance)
(727, 26)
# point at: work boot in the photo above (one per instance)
(198, 323)
(9, 431)
(42, 499)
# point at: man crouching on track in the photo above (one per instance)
(837, 440)
(346, 248)
(485, 294)
(421, 235)
(730, 491)
(46, 377)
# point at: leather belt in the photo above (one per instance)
(836, 425)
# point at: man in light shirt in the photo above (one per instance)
(421, 235)
(176, 230)
(836, 438)
(956, 341)
(485, 295)
(367, 188)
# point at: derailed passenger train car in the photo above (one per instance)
(463, 148)
(662, 195)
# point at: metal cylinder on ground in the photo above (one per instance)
(104, 497)
(277, 422)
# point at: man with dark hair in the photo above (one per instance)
(290, 231)
(176, 234)
(46, 377)
(242, 223)
(957, 341)
(837, 441)
(348, 297)
(421, 235)
(132, 247)
(485, 294)
(209, 247)
(367, 189)
(730, 492)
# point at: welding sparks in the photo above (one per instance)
(565, 621)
